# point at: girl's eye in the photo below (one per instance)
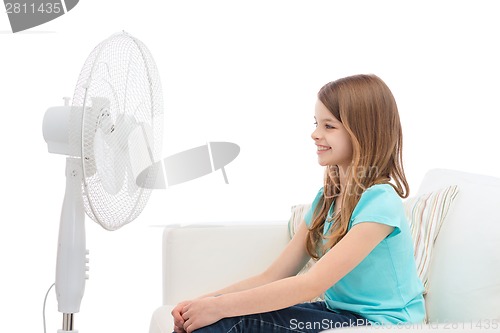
(326, 125)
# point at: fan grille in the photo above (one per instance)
(119, 91)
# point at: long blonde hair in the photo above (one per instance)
(367, 109)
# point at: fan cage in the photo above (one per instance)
(122, 72)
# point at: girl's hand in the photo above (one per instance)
(178, 320)
(200, 313)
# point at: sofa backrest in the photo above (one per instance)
(464, 276)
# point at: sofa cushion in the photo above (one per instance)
(464, 283)
(426, 214)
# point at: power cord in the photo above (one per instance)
(44, 302)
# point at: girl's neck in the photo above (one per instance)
(342, 178)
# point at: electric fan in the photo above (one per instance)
(110, 134)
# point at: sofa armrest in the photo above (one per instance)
(202, 258)
(198, 259)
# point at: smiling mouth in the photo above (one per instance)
(323, 149)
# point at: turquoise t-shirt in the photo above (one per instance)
(384, 288)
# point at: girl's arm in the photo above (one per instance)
(334, 265)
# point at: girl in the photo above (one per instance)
(356, 231)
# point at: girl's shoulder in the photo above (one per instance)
(379, 203)
(380, 191)
(379, 197)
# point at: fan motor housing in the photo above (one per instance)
(56, 129)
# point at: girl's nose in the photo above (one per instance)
(315, 135)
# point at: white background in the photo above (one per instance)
(240, 71)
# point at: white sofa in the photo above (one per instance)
(464, 272)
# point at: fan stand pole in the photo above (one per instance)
(71, 252)
(67, 322)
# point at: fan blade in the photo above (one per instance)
(109, 168)
(142, 158)
(139, 154)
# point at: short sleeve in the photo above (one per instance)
(309, 214)
(381, 204)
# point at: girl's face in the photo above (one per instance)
(333, 142)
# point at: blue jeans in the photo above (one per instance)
(303, 318)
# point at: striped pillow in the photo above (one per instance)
(298, 213)
(426, 215)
